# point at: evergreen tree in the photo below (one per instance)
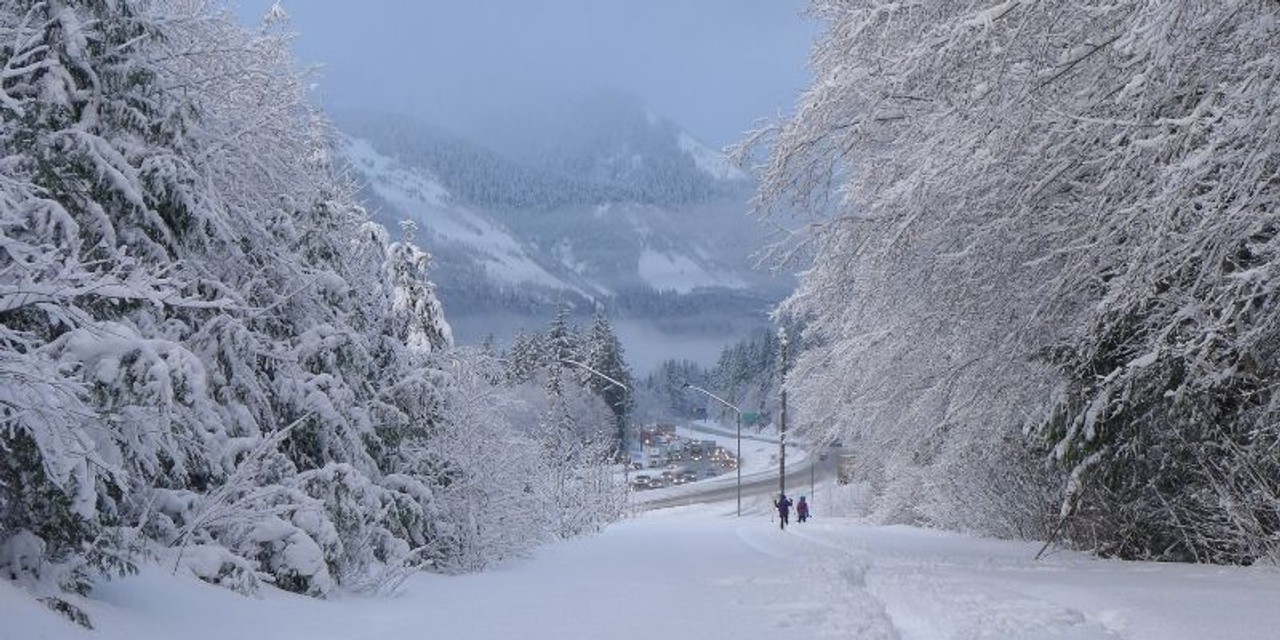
(606, 372)
(419, 318)
(524, 358)
(207, 351)
(561, 340)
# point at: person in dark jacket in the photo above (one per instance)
(802, 510)
(784, 510)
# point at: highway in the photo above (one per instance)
(753, 484)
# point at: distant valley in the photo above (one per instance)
(622, 210)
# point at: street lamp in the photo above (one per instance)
(626, 455)
(604, 377)
(738, 411)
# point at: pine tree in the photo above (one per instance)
(560, 341)
(419, 317)
(524, 358)
(177, 286)
(606, 372)
(207, 351)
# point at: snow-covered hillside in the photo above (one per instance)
(629, 212)
(714, 163)
(686, 574)
(399, 190)
(414, 194)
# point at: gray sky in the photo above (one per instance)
(713, 66)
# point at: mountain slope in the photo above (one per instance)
(623, 209)
(595, 251)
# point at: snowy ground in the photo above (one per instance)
(692, 573)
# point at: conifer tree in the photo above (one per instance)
(607, 373)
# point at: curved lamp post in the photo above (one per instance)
(738, 461)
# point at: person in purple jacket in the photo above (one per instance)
(784, 509)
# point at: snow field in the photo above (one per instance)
(681, 573)
(938, 585)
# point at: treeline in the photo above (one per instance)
(210, 357)
(471, 172)
(1044, 288)
(565, 358)
(746, 376)
(613, 154)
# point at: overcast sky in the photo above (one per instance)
(713, 66)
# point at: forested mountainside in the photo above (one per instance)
(616, 208)
(613, 152)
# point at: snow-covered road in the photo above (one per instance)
(685, 574)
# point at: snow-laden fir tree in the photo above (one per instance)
(524, 357)
(561, 341)
(206, 350)
(605, 372)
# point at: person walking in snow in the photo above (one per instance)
(802, 510)
(784, 510)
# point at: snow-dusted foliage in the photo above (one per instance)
(207, 351)
(1056, 220)
(603, 369)
(661, 395)
(569, 363)
(747, 375)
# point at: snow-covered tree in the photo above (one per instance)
(605, 372)
(419, 318)
(1044, 219)
(206, 349)
(661, 395)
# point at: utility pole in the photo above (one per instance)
(782, 412)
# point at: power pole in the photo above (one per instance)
(782, 411)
